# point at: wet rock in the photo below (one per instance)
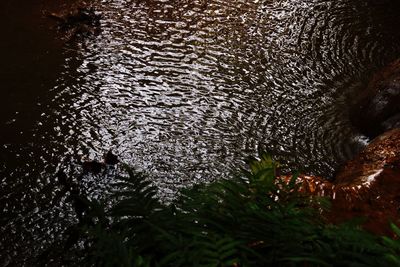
(110, 158)
(377, 109)
(92, 166)
(381, 154)
(369, 185)
(312, 185)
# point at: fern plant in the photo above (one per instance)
(254, 219)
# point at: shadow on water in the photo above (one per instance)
(182, 89)
(32, 61)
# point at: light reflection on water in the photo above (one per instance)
(186, 89)
(180, 87)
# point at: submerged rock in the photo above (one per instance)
(377, 109)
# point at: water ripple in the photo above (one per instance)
(184, 89)
(226, 76)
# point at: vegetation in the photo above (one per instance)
(255, 219)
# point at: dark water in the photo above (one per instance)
(182, 89)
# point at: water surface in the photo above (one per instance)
(182, 89)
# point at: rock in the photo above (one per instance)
(312, 185)
(382, 153)
(92, 166)
(110, 158)
(377, 109)
(369, 185)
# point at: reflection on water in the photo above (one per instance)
(185, 89)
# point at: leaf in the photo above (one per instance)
(395, 229)
(305, 260)
(293, 180)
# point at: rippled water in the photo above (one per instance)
(185, 90)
